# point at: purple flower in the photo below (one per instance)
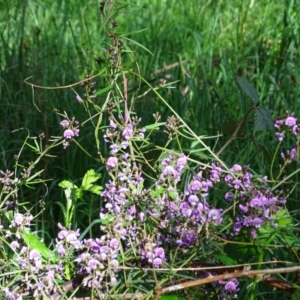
(295, 130)
(280, 136)
(236, 168)
(65, 123)
(159, 252)
(293, 153)
(243, 208)
(215, 215)
(78, 98)
(124, 144)
(112, 124)
(112, 162)
(256, 222)
(255, 202)
(69, 133)
(71, 237)
(14, 245)
(228, 178)
(169, 171)
(113, 280)
(62, 234)
(157, 262)
(65, 144)
(237, 183)
(182, 160)
(114, 148)
(128, 132)
(193, 200)
(186, 211)
(76, 131)
(229, 196)
(231, 286)
(114, 243)
(290, 121)
(34, 255)
(18, 218)
(278, 123)
(93, 264)
(196, 185)
(12, 296)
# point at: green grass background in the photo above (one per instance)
(199, 45)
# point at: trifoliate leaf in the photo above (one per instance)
(90, 177)
(262, 119)
(248, 89)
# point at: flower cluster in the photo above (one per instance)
(70, 131)
(88, 85)
(284, 126)
(98, 262)
(183, 214)
(7, 180)
(67, 241)
(9, 186)
(229, 288)
(256, 204)
(172, 126)
(119, 139)
(152, 254)
(40, 274)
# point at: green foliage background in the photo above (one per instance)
(198, 45)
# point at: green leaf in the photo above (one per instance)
(196, 154)
(248, 89)
(154, 126)
(170, 297)
(296, 295)
(240, 252)
(138, 44)
(34, 243)
(90, 177)
(67, 184)
(263, 119)
(95, 189)
(226, 260)
(229, 126)
(106, 89)
(78, 193)
(283, 218)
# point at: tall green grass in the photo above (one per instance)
(199, 46)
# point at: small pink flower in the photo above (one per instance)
(290, 121)
(14, 245)
(68, 134)
(112, 162)
(65, 123)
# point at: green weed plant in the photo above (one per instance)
(149, 178)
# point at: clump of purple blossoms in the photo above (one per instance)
(256, 204)
(98, 262)
(67, 241)
(152, 254)
(8, 181)
(229, 289)
(284, 126)
(96, 258)
(119, 138)
(40, 274)
(70, 131)
(185, 214)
